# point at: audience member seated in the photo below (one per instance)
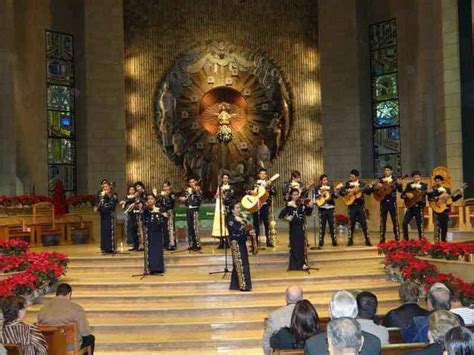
(344, 336)
(438, 298)
(342, 304)
(15, 331)
(367, 305)
(460, 306)
(62, 311)
(281, 317)
(440, 322)
(459, 341)
(409, 293)
(304, 324)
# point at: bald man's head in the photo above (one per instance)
(294, 294)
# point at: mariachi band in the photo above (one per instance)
(150, 216)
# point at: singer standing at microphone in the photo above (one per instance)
(227, 194)
(106, 203)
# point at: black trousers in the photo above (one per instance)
(417, 213)
(133, 229)
(326, 216)
(88, 341)
(262, 216)
(442, 220)
(357, 214)
(192, 219)
(385, 209)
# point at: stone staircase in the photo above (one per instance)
(189, 309)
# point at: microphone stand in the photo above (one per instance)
(226, 243)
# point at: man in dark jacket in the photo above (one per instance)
(409, 293)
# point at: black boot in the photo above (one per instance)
(221, 243)
(367, 242)
(321, 243)
(350, 242)
(334, 241)
(382, 240)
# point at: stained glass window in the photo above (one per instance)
(385, 103)
(60, 110)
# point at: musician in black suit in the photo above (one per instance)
(294, 182)
(106, 203)
(263, 214)
(442, 218)
(326, 211)
(416, 211)
(238, 235)
(228, 193)
(356, 209)
(136, 218)
(192, 200)
(389, 203)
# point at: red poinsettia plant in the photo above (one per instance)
(403, 255)
(341, 219)
(417, 270)
(81, 200)
(13, 247)
(399, 259)
(416, 247)
(22, 200)
(34, 271)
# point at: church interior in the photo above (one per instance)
(176, 169)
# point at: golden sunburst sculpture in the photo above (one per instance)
(220, 107)
(223, 113)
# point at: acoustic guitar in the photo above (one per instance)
(323, 198)
(386, 189)
(351, 196)
(252, 202)
(413, 197)
(444, 200)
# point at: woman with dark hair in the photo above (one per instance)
(295, 213)
(459, 341)
(304, 324)
(155, 224)
(166, 202)
(238, 235)
(106, 203)
(15, 331)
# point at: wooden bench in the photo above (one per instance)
(63, 339)
(44, 222)
(392, 349)
(394, 336)
(13, 349)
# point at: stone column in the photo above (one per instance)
(103, 145)
(7, 110)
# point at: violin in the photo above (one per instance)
(305, 201)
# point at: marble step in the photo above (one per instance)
(210, 254)
(206, 351)
(189, 272)
(230, 297)
(206, 267)
(210, 283)
(274, 289)
(162, 312)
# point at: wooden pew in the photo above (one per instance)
(401, 349)
(63, 340)
(394, 336)
(13, 349)
(392, 349)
